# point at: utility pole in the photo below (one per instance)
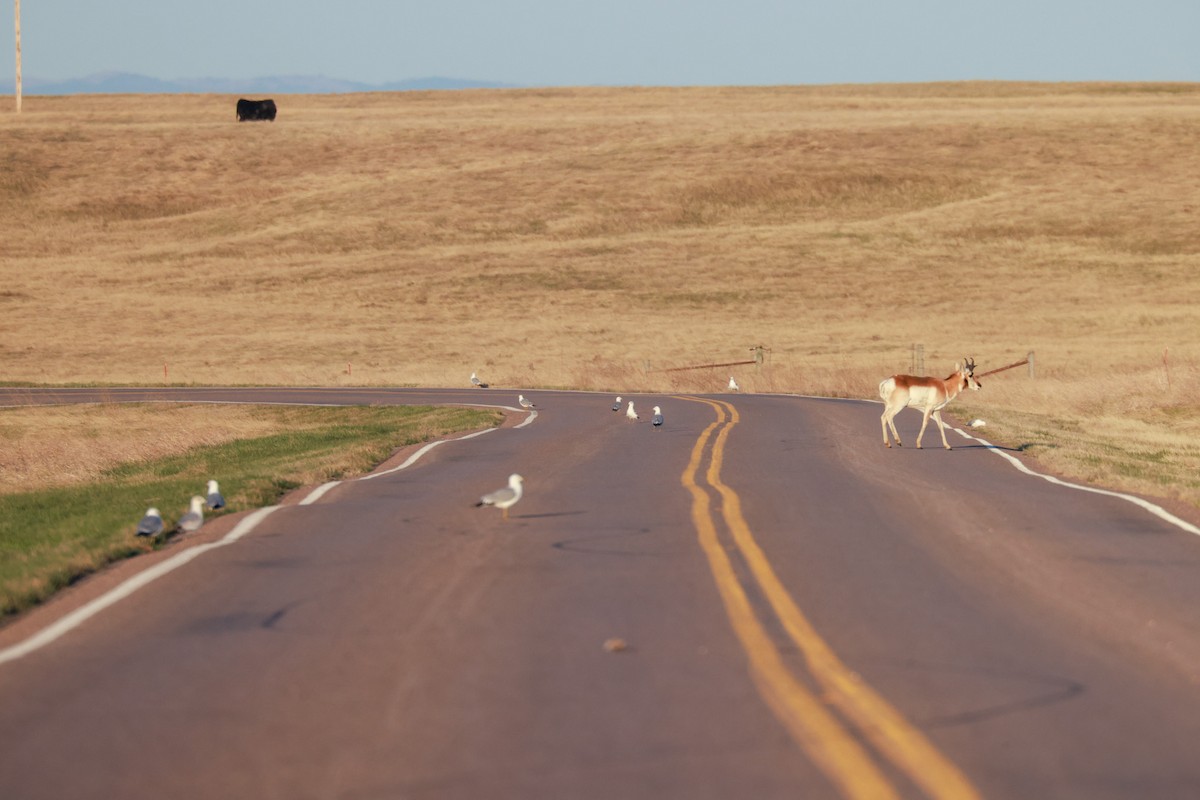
(17, 13)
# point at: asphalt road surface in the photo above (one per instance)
(756, 600)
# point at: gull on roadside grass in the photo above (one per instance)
(194, 518)
(214, 499)
(505, 498)
(630, 413)
(733, 386)
(657, 419)
(475, 380)
(976, 423)
(151, 524)
(617, 404)
(523, 402)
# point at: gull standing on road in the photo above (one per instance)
(617, 404)
(151, 524)
(630, 413)
(657, 419)
(214, 500)
(194, 518)
(523, 402)
(505, 498)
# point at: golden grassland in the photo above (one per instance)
(65, 445)
(591, 237)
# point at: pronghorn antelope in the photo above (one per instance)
(928, 394)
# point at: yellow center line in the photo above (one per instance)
(893, 736)
(835, 752)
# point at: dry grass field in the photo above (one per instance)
(65, 445)
(591, 237)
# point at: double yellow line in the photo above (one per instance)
(831, 728)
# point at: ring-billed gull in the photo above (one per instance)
(657, 419)
(617, 404)
(475, 380)
(505, 498)
(733, 387)
(630, 413)
(194, 518)
(151, 524)
(523, 402)
(214, 499)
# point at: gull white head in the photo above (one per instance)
(151, 524)
(505, 498)
(214, 499)
(629, 412)
(194, 518)
(732, 384)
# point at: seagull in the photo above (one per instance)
(475, 380)
(151, 524)
(657, 419)
(630, 413)
(617, 404)
(733, 387)
(523, 402)
(976, 423)
(194, 518)
(504, 498)
(214, 499)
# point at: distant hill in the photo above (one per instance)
(129, 83)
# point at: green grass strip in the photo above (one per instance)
(50, 538)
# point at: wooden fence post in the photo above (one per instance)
(918, 359)
(17, 26)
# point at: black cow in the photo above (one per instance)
(255, 110)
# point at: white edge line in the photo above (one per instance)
(85, 612)
(408, 462)
(317, 493)
(426, 448)
(1146, 505)
(73, 620)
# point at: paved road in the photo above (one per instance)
(804, 614)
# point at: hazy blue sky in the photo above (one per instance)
(612, 42)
